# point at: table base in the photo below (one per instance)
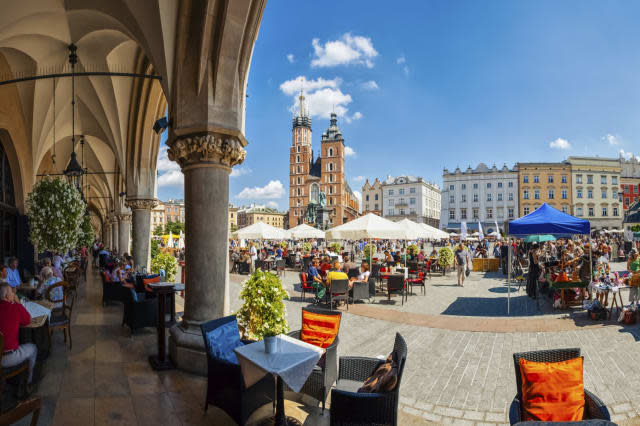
(159, 365)
(287, 421)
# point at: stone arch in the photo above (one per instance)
(16, 171)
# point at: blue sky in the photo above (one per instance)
(438, 84)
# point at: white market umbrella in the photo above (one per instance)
(435, 233)
(453, 234)
(181, 241)
(414, 230)
(367, 227)
(260, 231)
(305, 231)
(170, 240)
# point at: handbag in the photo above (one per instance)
(467, 272)
(630, 317)
(634, 280)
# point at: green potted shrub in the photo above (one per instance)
(263, 314)
(413, 249)
(167, 262)
(369, 251)
(445, 259)
(306, 247)
(335, 247)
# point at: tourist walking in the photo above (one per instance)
(461, 259)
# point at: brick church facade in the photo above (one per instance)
(308, 176)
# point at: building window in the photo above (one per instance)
(536, 194)
(579, 193)
(489, 197)
(475, 198)
(463, 198)
(499, 184)
(510, 184)
(401, 212)
(376, 197)
(391, 202)
(412, 190)
(579, 211)
(615, 211)
(297, 158)
(367, 197)
(604, 193)
(401, 191)
(412, 200)
(551, 193)
(463, 214)
(590, 193)
(536, 179)
(578, 178)
(376, 206)
(463, 186)
(475, 213)
(614, 180)
(565, 209)
(298, 169)
(330, 178)
(391, 192)
(525, 194)
(488, 184)
(511, 196)
(564, 179)
(297, 148)
(525, 179)
(489, 213)
(565, 194)
(604, 211)
(590, 211)
(475, 186)
(412, 211)
(510, 213)
(550, 178)
(451, 187)
(391, 212)
(603, 179)
(330, 152)
(500, 197)
(525, 211)
(626, 201)
(452, 214)
(590, 179)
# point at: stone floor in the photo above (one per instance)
(452, 375)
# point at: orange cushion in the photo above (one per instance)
(151, 280)
(552, 391)
(319, 329)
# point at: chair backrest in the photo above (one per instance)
(280, 263)
(320, 327)
(147, 281)
(375, 270)
(550, 355)
(400, 347)
(212, 325)
(60, 284)
(395, 282)
(353, 272)
(339, 286)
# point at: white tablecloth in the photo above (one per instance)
(37, 310)
(293, 361)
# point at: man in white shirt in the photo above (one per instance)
(254, 256)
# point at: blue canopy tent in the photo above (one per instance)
(545, 220)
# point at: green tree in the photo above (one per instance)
(158, 232)
(174, 227)
(635, 228)
(155, 248)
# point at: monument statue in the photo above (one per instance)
(322, 199)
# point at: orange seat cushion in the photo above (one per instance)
(151, 280)
(552, 391)
(319, 329)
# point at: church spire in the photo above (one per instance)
(302, 117)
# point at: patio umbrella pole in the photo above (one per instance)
(508, 276)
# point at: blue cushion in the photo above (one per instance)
(223, 340)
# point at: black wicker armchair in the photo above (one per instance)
(140, 311)
(348, 407)
(225, 385)
(594, 408)
(325, 373)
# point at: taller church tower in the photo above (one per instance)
(300, 162)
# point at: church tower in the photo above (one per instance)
(300, 163)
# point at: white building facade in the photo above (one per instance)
(485, 195)
(411, 197)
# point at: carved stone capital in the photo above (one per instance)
(214, 148)
(141, 203)
(124, 217)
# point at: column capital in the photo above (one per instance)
(142, 203)
(214, 148)
(124, 217)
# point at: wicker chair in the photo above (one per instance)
(225, 385)
(61, 317)
(417, 282)
(305, 286)
(396, 284)
(594, 407)
(325, 373)
(21, 410)
(339, 290)
(348, 407)
(139, 311)
(21, 370)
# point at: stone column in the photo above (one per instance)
(124, 230)
(206, 161)
(114, 235)
(107, 234)
(141, 244)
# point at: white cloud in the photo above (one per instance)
(405, 69)
(347, 50)
(272, 204)
(164, 164)
(611, 139)
(628, 155)
(291, 58)
(369, 85)
(322, 97)
(401, 60)
(240, 171)
(357, 115)
(171, 178)
(358, 179)
(292, 87)
(273, 189)
(560, 144)
(349, 152)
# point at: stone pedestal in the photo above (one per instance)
(124, 230)
(206, 162)
(114, 236)
(141, 214)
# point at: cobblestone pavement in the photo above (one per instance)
(467, 377)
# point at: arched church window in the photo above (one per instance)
(315, 193)
(330, 152)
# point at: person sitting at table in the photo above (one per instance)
(336, 274)
(421, 256)
(12, 316)
(325, 266)
(388, 258)
(278, 253)
(116, 272)
(316, 280)
(13, 277)
(47, 280)
(363, 276)
(434, 254)
(348, 265)
(4, 273)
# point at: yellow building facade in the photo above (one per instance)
(544, 183)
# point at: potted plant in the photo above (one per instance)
(369, 251)
(306, 247)
(335, 247)
(413, 249)
(166, 262)
(263, 314)
(445, 259)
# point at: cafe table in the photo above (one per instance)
(161, 361)
(37, 331)
(292, 363)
